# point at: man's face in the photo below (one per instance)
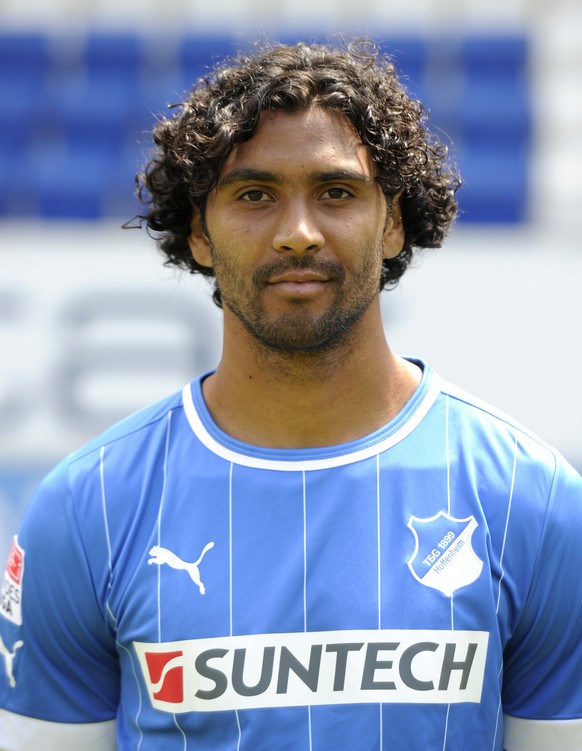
(296, 231)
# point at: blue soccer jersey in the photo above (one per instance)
(172, 588)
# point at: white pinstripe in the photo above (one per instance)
(159, 522)
(107, 535)
(449, 507)
(447, 449)
(305, 592)
(510, 502)
(379, 541)
(304, 555)
(104, 507)
(139, 703)
(110, 565)
(159, 539)
(509, 505)
(498, 711)
(236, 714)
(230, 546)
(110, 568)
(176, 723)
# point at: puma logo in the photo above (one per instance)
(9, 660)
(163, 555)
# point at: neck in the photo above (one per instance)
(298, 400)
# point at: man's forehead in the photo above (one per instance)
(290, 140)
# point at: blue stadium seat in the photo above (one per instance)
(409, 54)
(114, 58)
(197, 54)
(109, 84)
(494, 112)
(119, 198)
(494, 94)
(479, 98)
(25, 56)
(24, 66)
(66, 187)
(12, 201)
(495, 181)
(495, 56)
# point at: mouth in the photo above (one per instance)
(298, 279)
(298, 283)
(298, 276)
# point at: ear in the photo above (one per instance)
(394, 233)
(198, 240)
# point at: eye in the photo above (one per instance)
(255, 196)
(336, 193)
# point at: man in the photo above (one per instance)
(320, 545)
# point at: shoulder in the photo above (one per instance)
(521, 472)
(509, 461)
(491, 428)
(119, 456)
(134, 428)
(89, 501)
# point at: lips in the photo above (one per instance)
(298, 277)
(298, 274)
(298, 284)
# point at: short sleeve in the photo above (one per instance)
(60, 657)
(542, 686)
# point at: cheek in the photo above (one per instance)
(366, 230)
(230, 268)
(239, 243)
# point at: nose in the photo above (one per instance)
(297, 230)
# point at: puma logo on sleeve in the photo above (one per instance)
(9, 660)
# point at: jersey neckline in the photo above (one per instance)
(260, 457)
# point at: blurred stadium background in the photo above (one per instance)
(93, 327)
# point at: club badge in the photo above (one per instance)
(444, 557)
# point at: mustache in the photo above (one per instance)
(334, 271)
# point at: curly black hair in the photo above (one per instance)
(224, 109)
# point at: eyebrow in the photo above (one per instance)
(250, 175)
(342, 175)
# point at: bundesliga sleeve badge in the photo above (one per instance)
(11, 596)
(444, 557)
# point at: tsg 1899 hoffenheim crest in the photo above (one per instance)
(443, 557)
